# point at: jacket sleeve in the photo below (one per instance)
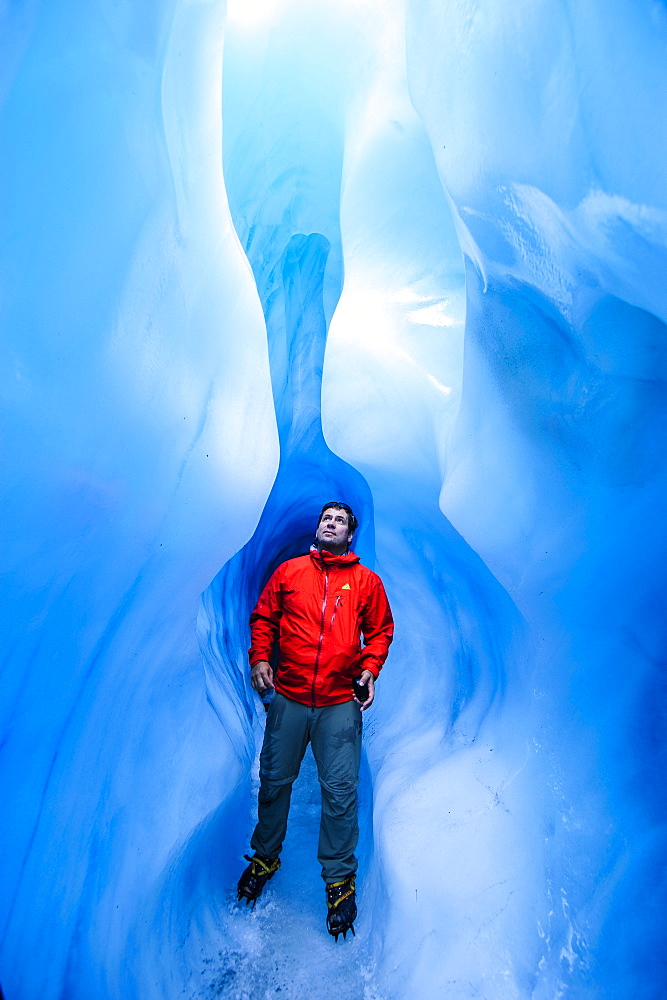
(265, 620)
(377, 626)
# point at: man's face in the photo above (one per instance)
(333, 532)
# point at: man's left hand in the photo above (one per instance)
(367, 678)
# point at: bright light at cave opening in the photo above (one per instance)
(376, 323)
(252, 13)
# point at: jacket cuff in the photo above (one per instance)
(371, 664)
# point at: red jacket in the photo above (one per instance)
(318, 606)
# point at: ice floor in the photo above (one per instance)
(282, 948)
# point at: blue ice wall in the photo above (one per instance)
(560, 209)
(410, 253)
(139, 447)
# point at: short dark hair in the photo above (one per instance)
(352, 522)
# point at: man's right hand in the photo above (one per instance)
(261, 677)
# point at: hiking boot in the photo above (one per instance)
(255, 877)
(342, 907)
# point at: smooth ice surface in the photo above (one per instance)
(410, 254)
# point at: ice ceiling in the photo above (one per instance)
(410, 254)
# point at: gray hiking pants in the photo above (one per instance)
(334, 733)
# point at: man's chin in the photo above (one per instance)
(330, 545)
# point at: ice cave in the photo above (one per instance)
(412, 253)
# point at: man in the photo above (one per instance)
(317, 606)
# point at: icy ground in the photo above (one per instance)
(282, 948)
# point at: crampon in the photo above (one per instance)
(342, 907)
(255, 877)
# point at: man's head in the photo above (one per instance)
(336, 527)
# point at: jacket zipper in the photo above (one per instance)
(339, 601)
(321, 638)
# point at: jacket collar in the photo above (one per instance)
(325, 560)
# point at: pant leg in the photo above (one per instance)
(336, 742)
(285, 742)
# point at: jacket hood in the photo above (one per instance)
(323, 558)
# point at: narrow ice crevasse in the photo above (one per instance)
(231, 287)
